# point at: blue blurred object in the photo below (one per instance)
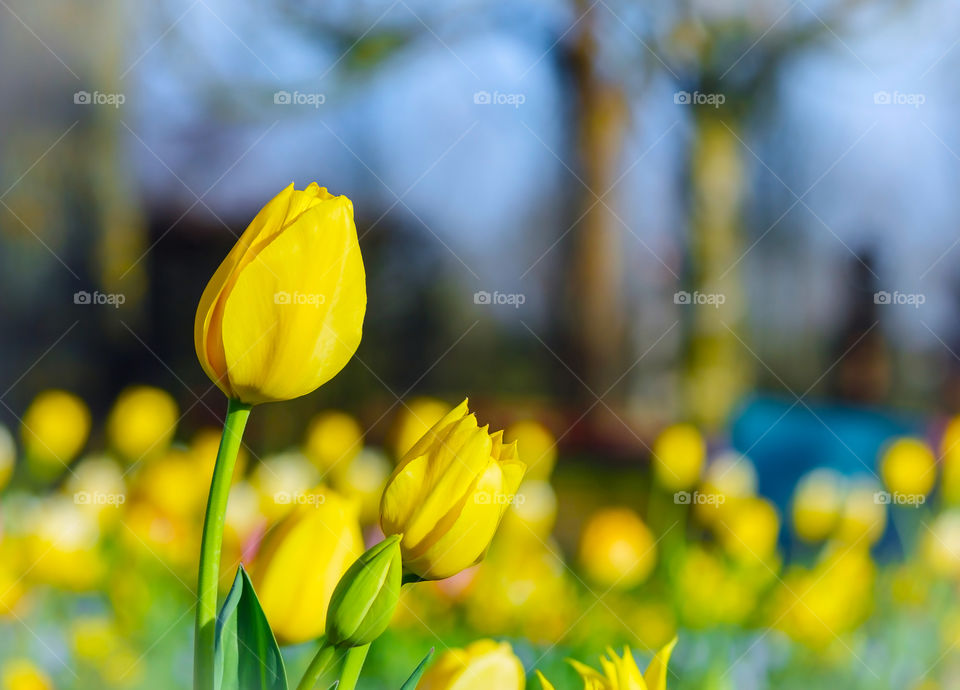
(785, 439)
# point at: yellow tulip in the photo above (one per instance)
(817, 504)
(22, 674)
(536, 447)
(622, 672)
(864, 518)
(678, 456)
(281, 480)
(284, 311)
(8, 456)
(300, 562)
(333, 440)
(55, 428)
(415, 419)
(448, 494)
(617, 549)
(481, 665)
(908, 467)
(749, 530)
(142, 422)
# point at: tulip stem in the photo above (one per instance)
(352, 666)
(321, 662)
(212, 541)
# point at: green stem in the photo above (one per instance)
(212, 541)
(321, 662)
(352, 666)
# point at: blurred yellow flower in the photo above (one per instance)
(653, 623)
(55, 429)
(536, 447)
(415, 419)
(522, 587)
(481, 665)
(63, 544)
(12, 584)
(302, 559)
(448, 494)
(94, 638)
(22, 674)
(908, 467)
(280, 479)
(622, 672)
(363, 479)
(333, 440)
(749, 530)
(678, 456)
(170, 483)
(283, 313)
(864, 517)
(617, 549)
(817, 504)
(142, 422)
(941, 544)
(96, 484)
(534, 512)
(818, 605)
(8, 456)
(731, 476)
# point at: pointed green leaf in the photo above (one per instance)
(417, 672)
(246, 656)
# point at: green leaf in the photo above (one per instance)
(246, 655)
(417, 672)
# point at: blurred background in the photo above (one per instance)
(732, 220)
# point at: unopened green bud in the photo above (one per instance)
(366, 596)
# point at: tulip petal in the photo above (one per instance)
(402, 494)
(656, 673)
(437, 430)
(462, 537)
(294, 316)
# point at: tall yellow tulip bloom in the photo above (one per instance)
(301, 561)
(622, 672)
(284, 311)
(448, 494)
(482, 665)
